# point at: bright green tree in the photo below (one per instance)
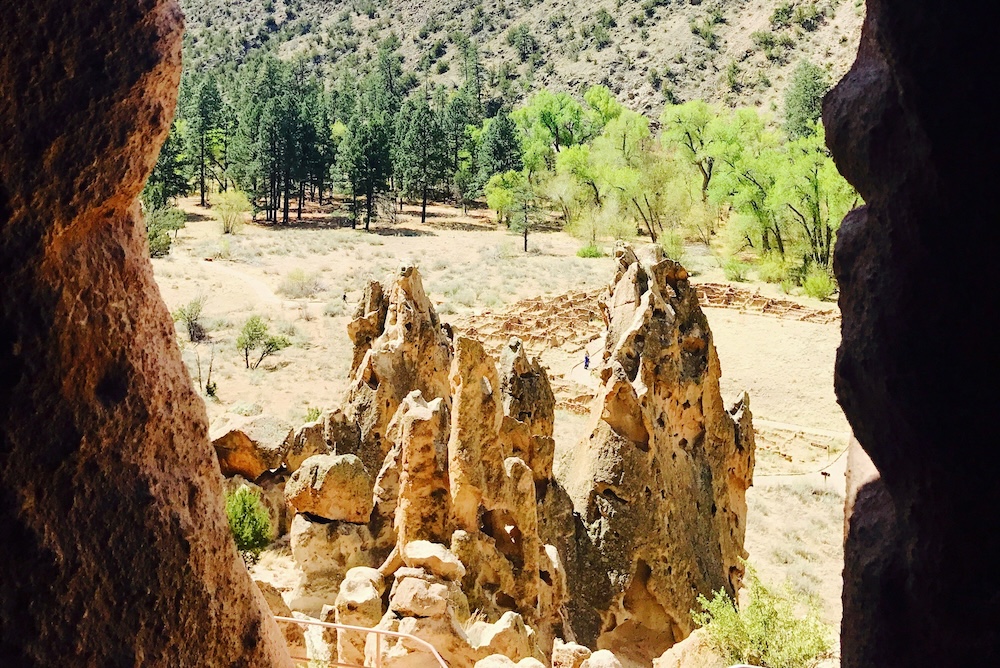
(815, 194)
(692, 129)
(254, 338)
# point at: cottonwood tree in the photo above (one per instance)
(692, 128)
(814, 193)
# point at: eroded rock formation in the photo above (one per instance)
(659, 485)
(427, 509)
(113, 544)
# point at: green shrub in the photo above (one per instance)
(249, 522)
(818, 283)
(255, 337)
(735, 270)
(159, 224)
(782, 15)
(590, 250)
(190, 315)
(766, 632)
(231, 207)
(523, 41)
(299, 284)
(673, 245)
(772, 268)
(313, 413)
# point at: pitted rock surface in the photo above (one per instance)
(111, 518)
(659, 484)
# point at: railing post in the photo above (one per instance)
(378, 650)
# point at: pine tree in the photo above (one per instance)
(499, 148)
(804, 99)
(422, 159)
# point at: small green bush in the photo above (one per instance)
(255, 337)
(298, 283)
(590, 250)
(672, 245)
(313, 413)
(249, 522)
(818, 283)
(231, 207)
(766, 632)
(190, 315)
(735, 270)
(772, 268)
(159, 224)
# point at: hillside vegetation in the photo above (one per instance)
(647, 52)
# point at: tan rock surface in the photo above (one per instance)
(434, 558)
(331, 487)
(693, 652)
(293, 633)
(307, 440)
(359, 603)
(403, 351)
(568, 654)
(111, 503)
(420, 430)
(324, 552)
(660, 482)
(249, 446)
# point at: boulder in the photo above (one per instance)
(501, 661)
(602, 658)
(434, 558)
(418, 597)
(568, 654)
(324, 552)
(695, 651)
(308, 440)
(507, 636)
(248, 446)
(359, 603)
(332, 487)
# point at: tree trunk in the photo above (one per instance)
(423, 207)
(525, 238)
(202, 169)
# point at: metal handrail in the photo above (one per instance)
(363, 629)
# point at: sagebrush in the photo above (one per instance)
(767, 631)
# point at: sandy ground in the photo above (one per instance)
(306, 278)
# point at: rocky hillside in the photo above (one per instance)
(737, 52)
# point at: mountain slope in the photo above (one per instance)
(735, 52)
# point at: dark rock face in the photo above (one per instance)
(113, 545)
(909, 130)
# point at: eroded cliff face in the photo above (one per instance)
(114, 547)
(659, 485)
